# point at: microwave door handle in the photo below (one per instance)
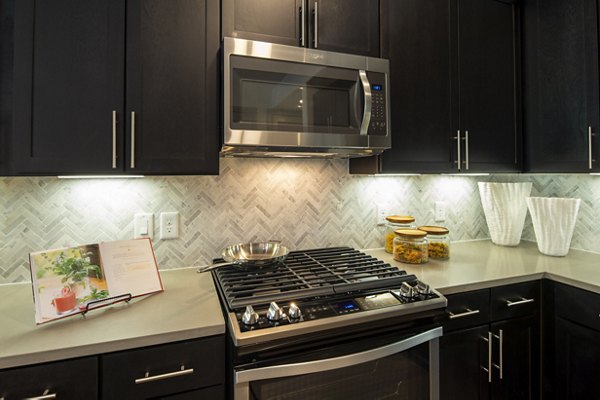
(311, 367)
(366, 120)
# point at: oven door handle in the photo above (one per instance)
(310, 367)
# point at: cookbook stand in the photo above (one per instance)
(92, 305)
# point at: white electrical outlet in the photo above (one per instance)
(169, 225)
(440, 211)
(382, 212)
(143, 225)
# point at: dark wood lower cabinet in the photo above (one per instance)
(491, 346)
(577, 361)
(519, 363)
(462, 354)
(71, 379)
(191, 369)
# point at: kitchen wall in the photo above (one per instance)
(304, 203)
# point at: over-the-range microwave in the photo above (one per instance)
(285, 101)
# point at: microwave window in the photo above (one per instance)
(274, 101)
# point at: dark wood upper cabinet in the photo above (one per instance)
(73, 107)
(346, 26)
(455, 87)
(68, 80)
(274, 21)
(562, 87)
(6, 81)
(172, 87)
(489, 89)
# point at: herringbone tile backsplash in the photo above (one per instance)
(303, 203)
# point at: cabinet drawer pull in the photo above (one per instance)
(463, 314)
(45, 396)
(488, 370)
(147, 378)
(516, 303)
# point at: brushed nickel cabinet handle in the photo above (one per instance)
(147, 378)
(466, 138)
(488, 370)
(316, 25)
(590, 153)
(303, 23)
(463, 314)
(114, 139)
(457, 137)
(45, 396)
(518, 303)
(500, 367)
(132, 164)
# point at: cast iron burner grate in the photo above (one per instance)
(308, 273)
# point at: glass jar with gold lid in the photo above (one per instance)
(395, 222)
(410, 246)
(438, 241)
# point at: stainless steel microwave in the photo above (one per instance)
(285, 101)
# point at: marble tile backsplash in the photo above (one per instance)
(304, 203)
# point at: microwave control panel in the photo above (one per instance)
(378, 124)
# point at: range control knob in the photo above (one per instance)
(407, 291)
(294, 311)
(275, 313)
(250, 317)
(423, 288)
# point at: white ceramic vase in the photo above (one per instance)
(553, 223)
(505, 210)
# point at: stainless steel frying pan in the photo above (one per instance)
(251, 255)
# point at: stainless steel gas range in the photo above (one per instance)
(330, 323)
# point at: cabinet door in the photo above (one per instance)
(487, 40)
(577, 361)
(68, 81)
(415, 38)
(516, 353)
(346, 26)
(172, 87)
(561, 85)
(463, 353)
(6, 80)
(274, 21)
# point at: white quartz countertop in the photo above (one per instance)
(188, 308)
(482, 264)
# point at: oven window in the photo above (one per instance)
(400, 376)
(273, 95)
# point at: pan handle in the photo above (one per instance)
(210, 267)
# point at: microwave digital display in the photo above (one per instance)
(377, 88)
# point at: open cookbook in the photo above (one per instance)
(77, 279)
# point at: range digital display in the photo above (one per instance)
(346, 306)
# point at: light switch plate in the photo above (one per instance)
(143, 225)
(440, 211)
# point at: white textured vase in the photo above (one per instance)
(553, 223)
(505, 210)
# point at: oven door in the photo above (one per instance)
(397, 366)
